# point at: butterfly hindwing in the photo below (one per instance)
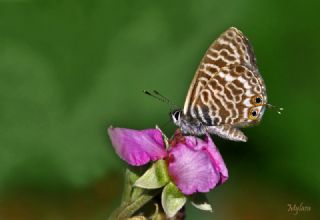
(228, 132)
(228, 97)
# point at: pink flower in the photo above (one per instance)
(194, 165)
(137, 147)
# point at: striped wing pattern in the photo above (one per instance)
(225, 82)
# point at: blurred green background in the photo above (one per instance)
(70, 69)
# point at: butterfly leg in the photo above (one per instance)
(228, 132)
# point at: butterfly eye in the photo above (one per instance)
(176, 115)
(253, 114)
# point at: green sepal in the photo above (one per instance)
(155, 177)
(200, 201)
(165, 138)
(130, 177)
(156, 215)
(172, 199)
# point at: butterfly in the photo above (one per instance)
(227, 92)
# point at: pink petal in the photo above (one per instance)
(192, 171)
(196, 165)
(217, 159)
(137, 147)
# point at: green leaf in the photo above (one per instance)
(131, 176)
(155, 177)
(200, 201)
(172, 199)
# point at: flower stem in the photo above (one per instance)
(131, 208)
(127, 188)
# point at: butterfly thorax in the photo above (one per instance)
(188, 124)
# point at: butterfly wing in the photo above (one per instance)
(228, 132)
(225, 82)
(230, 98)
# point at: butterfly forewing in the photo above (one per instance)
(225, 82)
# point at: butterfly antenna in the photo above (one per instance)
(156, 97)
(158, 93)
(155, 94)
(276, 108)
(164, 97)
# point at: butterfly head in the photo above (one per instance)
(176, 116)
